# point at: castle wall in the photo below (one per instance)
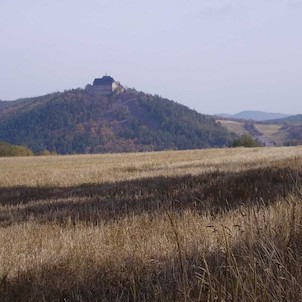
(104, 89)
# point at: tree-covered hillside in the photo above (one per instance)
(83, 121)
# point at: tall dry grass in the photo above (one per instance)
(211, 225)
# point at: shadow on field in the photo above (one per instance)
(188, 277)
(212, 192)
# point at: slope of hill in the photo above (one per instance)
(84, 121)
(255, 115)
(290, 119)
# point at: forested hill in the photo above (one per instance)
(83, 121)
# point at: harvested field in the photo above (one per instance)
(202, 225)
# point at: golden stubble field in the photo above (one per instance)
(202, 225)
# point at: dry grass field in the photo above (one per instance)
(274, 132)
(234, 126)
(202, 225)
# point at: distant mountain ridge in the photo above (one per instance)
(254, 115)
(86, 121)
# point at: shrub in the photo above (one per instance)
(246, 140)
(7, 149)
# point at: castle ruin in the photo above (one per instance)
(106, 85)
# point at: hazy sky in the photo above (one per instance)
(211, 55)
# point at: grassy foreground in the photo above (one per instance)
(203, 225)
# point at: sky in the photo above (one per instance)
(214, 56)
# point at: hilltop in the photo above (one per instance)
(87, 121)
